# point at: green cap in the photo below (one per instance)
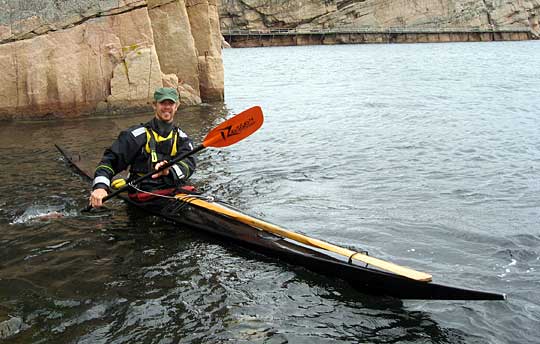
(164, 93)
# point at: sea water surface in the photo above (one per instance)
(427, 155)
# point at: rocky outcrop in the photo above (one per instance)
(73, 57)
(261, 14)
(175, 42)
(207, 36)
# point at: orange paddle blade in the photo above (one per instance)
(235, 128)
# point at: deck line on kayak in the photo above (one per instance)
(376, 262)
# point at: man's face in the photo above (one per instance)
(165, 110)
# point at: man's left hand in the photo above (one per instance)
(165, 172)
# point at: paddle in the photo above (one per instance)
(265, 226)
(227, 133)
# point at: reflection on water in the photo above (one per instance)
(421, 154)
(133, 278)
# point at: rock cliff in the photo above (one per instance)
(72, 57)
(264, 14)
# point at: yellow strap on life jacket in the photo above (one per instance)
(158, 138)
(173, 151)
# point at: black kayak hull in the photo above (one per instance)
(362, 278)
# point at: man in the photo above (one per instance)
(145, 148)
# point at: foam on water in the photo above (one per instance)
(41, 213)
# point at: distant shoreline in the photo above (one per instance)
(287, 37)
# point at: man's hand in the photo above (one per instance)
(165, 172)
(96, 197)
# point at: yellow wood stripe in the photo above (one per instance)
(379, 263)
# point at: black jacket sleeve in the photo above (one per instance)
(118, 157)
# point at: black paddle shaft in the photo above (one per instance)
(146, 176)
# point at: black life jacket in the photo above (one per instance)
(156, 149)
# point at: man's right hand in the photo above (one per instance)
(96, 197)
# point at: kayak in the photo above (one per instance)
(364, 273)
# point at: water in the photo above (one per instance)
(427, 155)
